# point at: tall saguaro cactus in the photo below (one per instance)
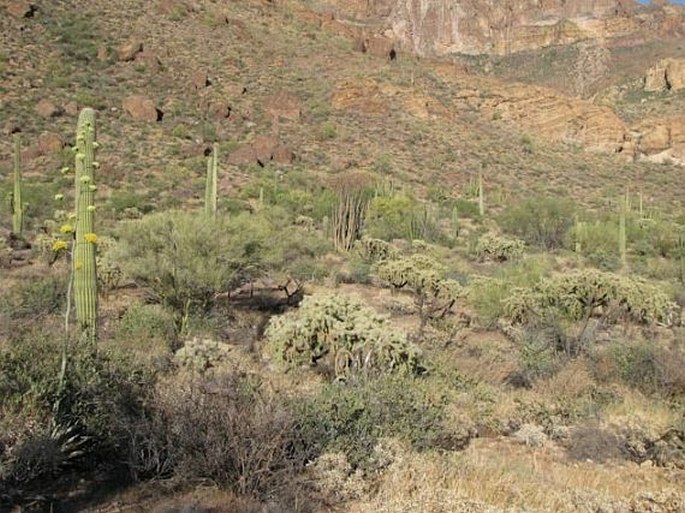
(210, 187)
(17, 202)
(84, 269)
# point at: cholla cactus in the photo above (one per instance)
(202, 354)
(85, 239)
(499, 249)
(376, 249)
(578, 295)
(434, 296)
(341, 333)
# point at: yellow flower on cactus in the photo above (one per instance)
(91, 237)
(66, 228)
(59, 245)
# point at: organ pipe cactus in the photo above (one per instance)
(84, 266)
(16, 199)
(210, 187)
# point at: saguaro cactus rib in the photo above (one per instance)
(84, 267)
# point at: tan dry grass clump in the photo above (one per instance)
(498, 476)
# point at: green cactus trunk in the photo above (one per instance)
(455, 223)
(17, 203)
(84, 268)
(210, 186)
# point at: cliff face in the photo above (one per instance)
(440, 27)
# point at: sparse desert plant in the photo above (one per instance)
(542, 222)
(341, 334)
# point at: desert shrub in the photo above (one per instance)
(541, 222)
(433, 294)
(146, 326)
(400, 217)
(593, 443)
(352, 417)
(185, 259)
(643, 365)
(499, 249)
(226, 429)
(342, 335)
(80, 421)
(35, 298)
(487, 294)
(578, 295)
(541, 351)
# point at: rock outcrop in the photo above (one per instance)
(442, 27)
(667, 74)
(661, 140)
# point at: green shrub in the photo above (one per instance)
(145, 327)
(342, 335)
(34, 298)
(542, 222)
(187, 258)
(352, 417)
(400, 217)
(644, 365)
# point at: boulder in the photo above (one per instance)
(141, 108)
(263, 149)
(128, 51)
(46, 109)
(667, 74)
(49, 143)
(21, 9)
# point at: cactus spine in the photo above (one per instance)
(84, 269)
(16, 201)
(210, 186)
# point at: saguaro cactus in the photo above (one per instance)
(16, 199)
(622, 234)
(84, 267)
(481, 195)
(210, 186)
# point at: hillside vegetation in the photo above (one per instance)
(247, 267)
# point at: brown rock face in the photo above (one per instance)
(441, 27)
(660, 140)
(666, 74)
(141, 108)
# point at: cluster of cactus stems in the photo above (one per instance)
(84, 266)
(210, 186)
(16, 199)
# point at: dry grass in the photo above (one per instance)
(495, 475)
